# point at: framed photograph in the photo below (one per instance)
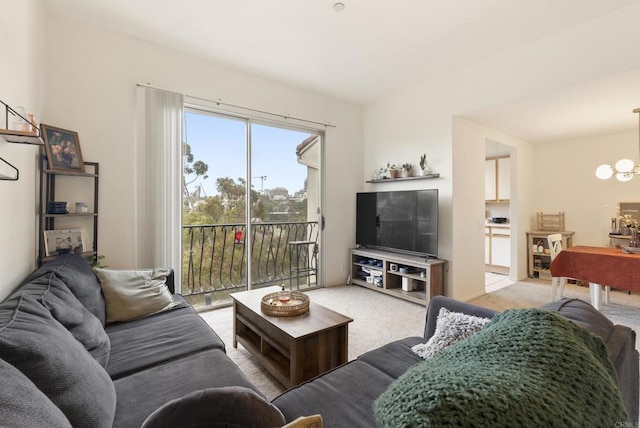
(58, 242)
(63, 149)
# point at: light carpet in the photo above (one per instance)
(379, 318)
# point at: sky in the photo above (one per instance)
(220, 143)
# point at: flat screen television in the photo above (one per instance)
(404, 221)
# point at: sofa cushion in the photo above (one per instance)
(157, 342)
(394, 358)
(24, 405)
(217, 408)
(343, 396)
(44, 351)
(527, 367)
(141, 393)
(68, 311)
(451, 327)
(620, 341)
(183, 308)
(76, 273)
(131, 294)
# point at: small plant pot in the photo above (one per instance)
(407, 172)
(393, 173)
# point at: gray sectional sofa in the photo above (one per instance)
(131, 368)
(62, 365)
(346, 396)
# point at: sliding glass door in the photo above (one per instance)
(251, 204)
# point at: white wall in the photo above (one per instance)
(419, 119)
(91, 78)
(569, 184)
(21, 84)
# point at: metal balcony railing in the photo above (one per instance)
(215, 258)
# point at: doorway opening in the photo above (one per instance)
(498, 213)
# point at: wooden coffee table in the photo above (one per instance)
(292, 349)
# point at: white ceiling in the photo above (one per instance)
(374, 48)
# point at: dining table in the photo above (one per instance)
(598, 266)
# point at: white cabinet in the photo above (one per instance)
(487, 246)
(497, 179)
(490, 189)
(497, 247)
(500, 249)
(504, 179)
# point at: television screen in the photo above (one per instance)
(404, 221)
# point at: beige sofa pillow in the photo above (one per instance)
(131, 294)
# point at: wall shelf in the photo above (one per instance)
(391, 180)
(9, 177)
(33, 136)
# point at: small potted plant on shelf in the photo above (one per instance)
(392, 169)
(406, 170)
(423, 165)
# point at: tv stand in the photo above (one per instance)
(407, 277)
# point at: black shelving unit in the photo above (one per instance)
(48, 193)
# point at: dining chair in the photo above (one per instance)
(555, 246)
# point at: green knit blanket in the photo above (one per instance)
(527, 367)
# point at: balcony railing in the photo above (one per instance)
(215, 258)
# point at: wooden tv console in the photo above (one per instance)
(423, 278)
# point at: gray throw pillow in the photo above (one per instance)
(76, 273)
(23, 404)
(231, 406)
(451, 327)
(131, 294)
(44, 351)
(68, 311)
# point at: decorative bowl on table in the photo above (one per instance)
(285, 304)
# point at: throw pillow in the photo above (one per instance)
(451, 327)
(24, 405)
(131, 294)
(68, 311)
(231, 406)
(76, 273)
(44, 351)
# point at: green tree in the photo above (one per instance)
(192, 171)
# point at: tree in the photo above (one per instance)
(192, 171)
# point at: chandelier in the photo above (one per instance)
(624, 169)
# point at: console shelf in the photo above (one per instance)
(419, 280)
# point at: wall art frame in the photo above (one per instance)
(63, 149)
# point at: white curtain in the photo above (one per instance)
(163, 112)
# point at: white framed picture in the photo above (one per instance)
(63, 241)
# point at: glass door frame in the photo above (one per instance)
(250, 119)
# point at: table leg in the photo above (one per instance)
(595, 290)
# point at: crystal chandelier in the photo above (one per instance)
(624, 169)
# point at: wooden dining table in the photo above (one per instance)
(599, 266)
